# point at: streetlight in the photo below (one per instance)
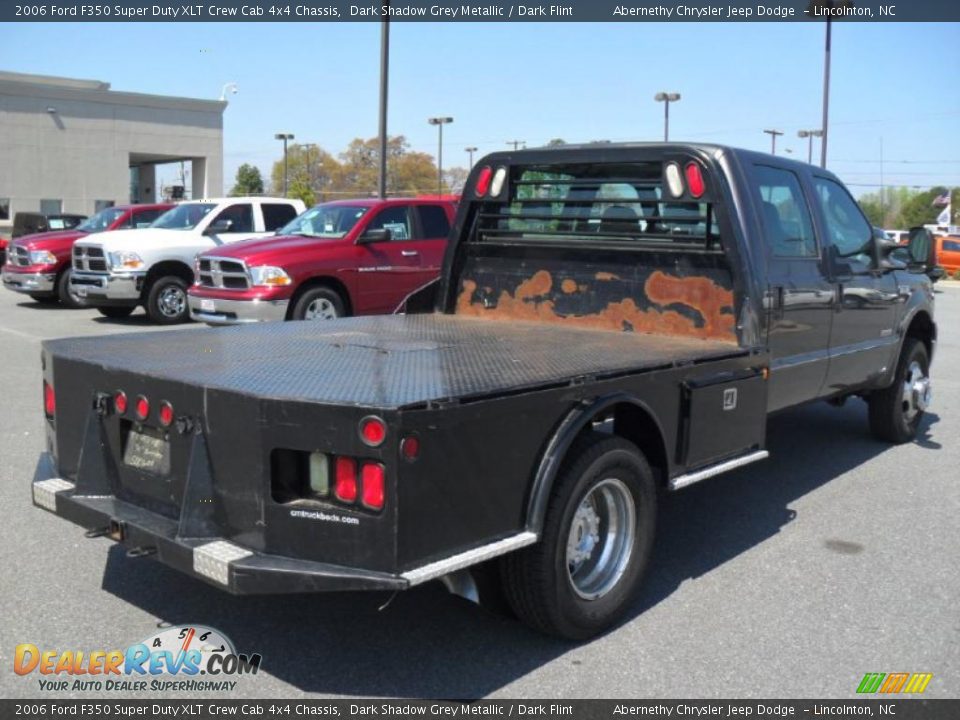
(810, 135)
(666, 98)
(285, 137)
(773, 140)
(440, 122)
(827, 8)
(471, 150)
(230, 87)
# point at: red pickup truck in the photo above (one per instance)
(39, 264)
(349, 257)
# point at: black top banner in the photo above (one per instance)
(481, 11)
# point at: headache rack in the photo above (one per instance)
(609, 206)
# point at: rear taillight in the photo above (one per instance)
(142, 408)
(410, 448)
(166, 413)
(695, 182)
(120, 402)
(373, 477)
(345, 480)
(373, 431)
(483, 181)
(49, 400)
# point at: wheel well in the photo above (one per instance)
(923, 329)
(330, 282)
(636, 424)
(168, 267)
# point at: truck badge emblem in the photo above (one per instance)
(730, 399)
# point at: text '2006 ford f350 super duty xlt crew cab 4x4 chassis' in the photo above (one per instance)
(611, 320)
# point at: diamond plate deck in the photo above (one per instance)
(385, 362)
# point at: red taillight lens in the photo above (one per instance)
(49, 399)
(695, 182)
(373, 476)
(410, 448)
(166, 413)
(483, 181)
(120, 402)
(142, 408)
(345, 480)
(373, 431)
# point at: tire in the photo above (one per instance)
(68, 299)
(897, 410)
(319, 303)
(116, 312)
(551, 585)
(167, 301)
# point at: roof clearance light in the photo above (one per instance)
(695, 179)
(373, 476)
(142, 408)
(120, 402)
(499, 177)
(345, 480)
(166, 413)
(674, 179)
(483, 181)
(373, 431)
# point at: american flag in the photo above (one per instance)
(942, 200)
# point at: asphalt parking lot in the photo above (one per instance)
(791, 578)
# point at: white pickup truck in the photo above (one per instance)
(118, 271)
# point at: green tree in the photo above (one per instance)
(248, 181)
(408, 173)
(555, 142)
(311, 169)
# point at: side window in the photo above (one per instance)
(434, 221)
(144, 218)
(396, 219)
(241, 216)
(849, 230)
(276, 215)
(127, 222)
(787, 225)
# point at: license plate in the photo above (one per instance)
(208, 305)
(147, 450)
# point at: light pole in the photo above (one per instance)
(285, 137)
(471, 150)
(773, 140)
(384, 84)
(827, 8)
(440, 122)
(810, 135)
(666, 98)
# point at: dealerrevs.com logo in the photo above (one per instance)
(187, 658)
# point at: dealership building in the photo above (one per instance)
(76, 146)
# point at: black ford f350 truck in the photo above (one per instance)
(612, 321)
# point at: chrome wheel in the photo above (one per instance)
(172, 301)
(917, 392)
(601, 539)
(320, 309)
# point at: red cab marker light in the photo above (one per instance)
(166, 413)
(120, 402)
(373, 431)
(49, 399)
(142, 408)
(345, 480)
(483, 181)
(695, 182)
(373, 476)
(410, 448)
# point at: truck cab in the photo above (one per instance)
(120, 270)
(348, 257)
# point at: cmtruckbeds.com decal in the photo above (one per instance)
(189, 658)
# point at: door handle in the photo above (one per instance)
(409, 253)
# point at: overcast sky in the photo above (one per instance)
(894, 85)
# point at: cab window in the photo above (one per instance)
(433, 221)
(145, 218)
(276, 215)
(240, 215)
(396, 219)
(847, 228)
(787, 224)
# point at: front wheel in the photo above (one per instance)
(167, 301)
(319, 303)
(595, 544)
(896, 411)
(68, 298)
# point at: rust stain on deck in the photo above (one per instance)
(606, 276)
(534, 300)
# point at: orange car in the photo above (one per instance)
(947, 249)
